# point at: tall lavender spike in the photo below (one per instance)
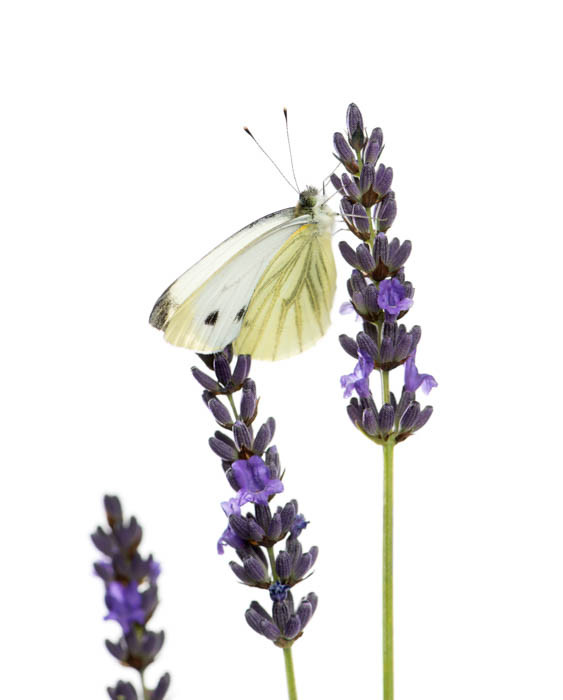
(131, 597)
(380, 295)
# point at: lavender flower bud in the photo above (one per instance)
(222, 369)
(386, 212)
(275, 528)
(369, 422)
(272, 459)
(360, 220)
(262, 439)
(205, 380)
(409, 417)
(283, 566)
(305, 612)
(349, 345)
(423, 417)
(280, 613)
(348, 254)
(355, 125)
(242, 435)
(220, 412)
(351, 188)
(365, 258)
(241, 370)
(386, 419)
(345, 154)
(122, 691)
(162, 688)
(293, 627)
(336, 183)
(248, 402)
(240, 572)
(383, 180)
(374, 146)
(222, 449)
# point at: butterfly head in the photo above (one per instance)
(310, 202)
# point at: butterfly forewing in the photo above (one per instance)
(205, 308)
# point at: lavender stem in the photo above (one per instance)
(388, 570)
(290, 673)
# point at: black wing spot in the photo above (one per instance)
(240, 314)
(211, 320)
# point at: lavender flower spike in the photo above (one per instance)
(380, 295)
(253, 471)
(131, 598)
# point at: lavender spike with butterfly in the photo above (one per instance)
(380, 295)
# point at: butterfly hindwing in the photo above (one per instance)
(290, 307)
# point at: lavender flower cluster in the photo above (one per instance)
(131, 597)
(252, 468)
(379, 293)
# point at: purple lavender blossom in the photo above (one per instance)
(256, 484)
(392, 297)
(414, 380)
(358, 380)
(124, 604)
(131, 597)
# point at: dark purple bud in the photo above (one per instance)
(386, 212)
(205, 380)
(241, 370)
(104, 542)
(254, 620)
(272, 459)
(293, 627)
(222, 449)
(346, 210)
(357, 281)
(348, 253)
(275, 528)
(263, 515)
(231, 478)
(162, 688)
(354, 413)
(305, 612)
(119, 650)
(386, 350)
(220, 412)
(410, 416)
(114, 513)
(255, 532)
(344, 153)
(383, 180)
(314, 552)
(222, 369)
(360, 219)
(380, 248)
(122, 691)
(370, 299)
(399, 258)
(241, 574)
(415, 332)
(350, 187)
(336, 183)
(369, 422)
(374, 147)
(269, 630)
(365, 258)
(367, 179)
(242, 435)
(281, 613)
(303, 565)
(239, 525)
(355, 125)
(255, 569)
(283, 565)
(349, 345)
(423, 417)
(366, 345)
(248, 404)
(289, 511)
(313, 598)
(262, 439)
(407, 397)
(386, 419)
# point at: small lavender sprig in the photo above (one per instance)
(131, 596)
(380, 295)
(252, 468)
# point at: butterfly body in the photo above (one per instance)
(268, 289)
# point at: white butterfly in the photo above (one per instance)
(268, 288)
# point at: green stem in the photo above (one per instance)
(272, 558)
(233, 406)
(146, 694)
(290, 674)
(388, 571)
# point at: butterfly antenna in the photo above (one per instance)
(289, 146)
(272, 161)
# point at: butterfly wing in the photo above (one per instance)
(290, 307)
(204, 308)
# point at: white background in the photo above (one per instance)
(122, 161)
